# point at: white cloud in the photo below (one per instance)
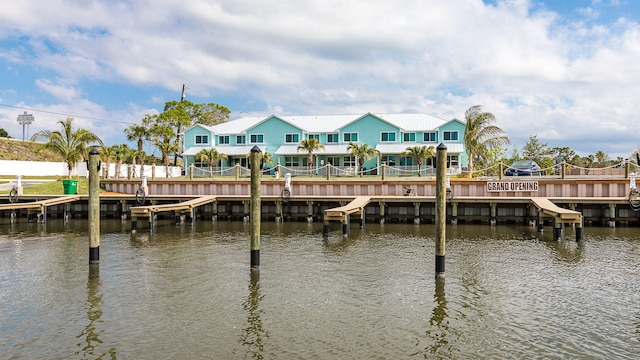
(540, 74)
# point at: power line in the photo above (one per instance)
(67, 115)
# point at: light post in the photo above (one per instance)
(25, 119)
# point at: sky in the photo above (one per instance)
(565, 71)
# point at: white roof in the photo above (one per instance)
(331, 123)
(195, 149)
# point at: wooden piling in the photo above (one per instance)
(255, 157)
(441, 209)
(94, 207)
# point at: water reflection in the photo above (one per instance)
(568, 251)
(90, 333)
(438, 331)
(254, 335)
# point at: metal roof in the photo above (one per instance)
(331, 123)
(230, 150)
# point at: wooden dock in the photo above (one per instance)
(560, 216)
(38, 207)
(178, 208)
(343, 214)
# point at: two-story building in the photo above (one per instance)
(390, 134)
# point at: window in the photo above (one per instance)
(335, 161)
(291, 161)
(257, 139)
(350, 137)
(291, 138)
(241, 139)
(314, 136)
(202, 139)
(332, 138)
(223, 139)
(387, 137)
(409, 137)
(450, 135)
(452, 161)
(389, 160)
(406, 161)
(349, 161)
(429, 136)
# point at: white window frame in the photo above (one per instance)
(404, 137)
(226, 141)
(388, 133)
(293, 136)
(251, 141)
(434, 133)
(350, 133)
(450, 133)
(334, 135)
(201, 137)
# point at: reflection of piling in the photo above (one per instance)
(254, 217)
(441, 208)
(94, 208)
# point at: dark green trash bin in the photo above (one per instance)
(70, 186)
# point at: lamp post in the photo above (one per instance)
(25, 119)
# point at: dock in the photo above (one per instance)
(39, 208)
(177, 208)
(560, 216)
(343, 214)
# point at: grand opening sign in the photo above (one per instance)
(496, 186)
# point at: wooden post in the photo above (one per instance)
(238, 170)
(310, 211)
(564, 170)
(383, 170)
(328, 171)
(612, 215)
(153, 171)
(557, 229)
(626, 168)
(454, 213)
(580, 229)
(214, 211)
(191, 172)
(94, 207)
(501, 171)
(492, 219)
(416, 212)
(441, 209)
(255, 157)
(382, 205)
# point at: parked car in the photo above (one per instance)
(523, 168)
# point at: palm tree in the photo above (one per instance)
(210, 156)
(362, 153)
(166, 149)
(138, 133)
(420, 153)
(107, 154)
(310, 145)
(480, 134)
(71, 144)
(120, 153)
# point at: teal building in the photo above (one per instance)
(390, 134)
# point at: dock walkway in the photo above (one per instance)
(180, 207)
(343, 213)
(560, 216)
(39, 207)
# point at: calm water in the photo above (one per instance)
(186, 292)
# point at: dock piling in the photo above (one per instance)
(441, 209)
(254, 217)
(94, 207)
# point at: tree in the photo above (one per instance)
(362, 153)
(71, 145)
(179, 115)
(138, 133)
(107, 155)
(480, 135)
(4, 133)
(601, 158)
(310, 145)
(210, 156)
(420, 153)
(120, 153)
(536, 151)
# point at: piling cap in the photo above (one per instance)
(94, 151)
(255, 149)
(441, 147)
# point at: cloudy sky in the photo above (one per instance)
(566, 71)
